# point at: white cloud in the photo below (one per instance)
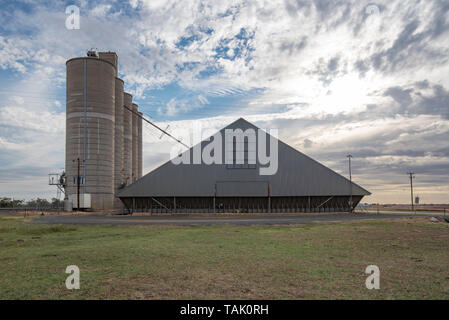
(22, 117)
(134, 3)
(100, 10)
(203, 99)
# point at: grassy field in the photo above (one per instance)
(314, 261)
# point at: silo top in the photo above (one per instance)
(89, 58)
(110, 57)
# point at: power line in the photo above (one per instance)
(411, 174)
(350, 182)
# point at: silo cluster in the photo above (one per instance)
(103, 137)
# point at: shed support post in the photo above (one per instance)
(215, 194)
(309, 205)
(269, 200)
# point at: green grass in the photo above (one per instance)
(314, 261)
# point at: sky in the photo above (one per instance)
(370, 79)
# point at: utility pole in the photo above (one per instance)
(411, 174)
(350, 180)
(78, 185)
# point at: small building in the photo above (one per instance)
(241, 179)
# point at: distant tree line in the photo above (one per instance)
(33, 203)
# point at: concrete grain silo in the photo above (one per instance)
(110, 57)
(90, 132)
(139, 146)
(103, 137)
(135, 129)
(127, 138)
(118, 144)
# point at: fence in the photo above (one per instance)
(38, 208)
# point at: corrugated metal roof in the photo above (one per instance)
(297, 175)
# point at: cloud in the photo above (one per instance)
(400, 95)
(307, 143)
(100, 10)
(420, 98)
(183, 105)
